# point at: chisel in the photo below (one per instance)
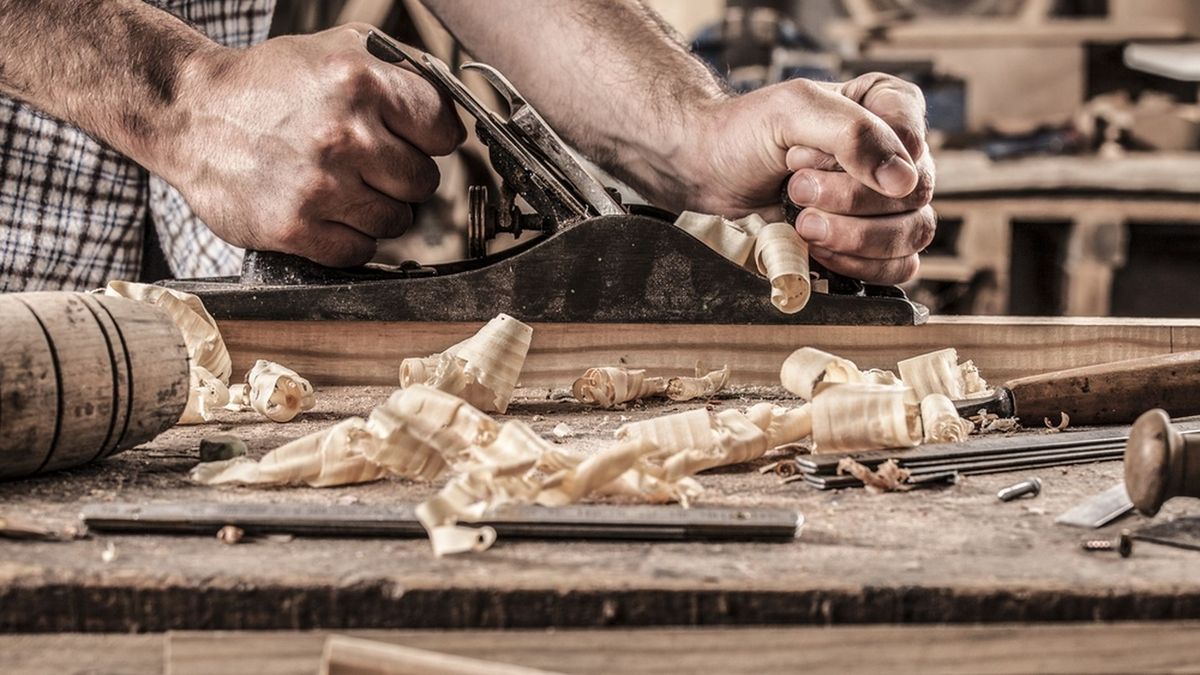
(1108, 393)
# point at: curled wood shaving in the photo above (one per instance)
(205, 347)
(940, 373)
(888, 477)
(239, 397)
(609, 386)
(774, 250)
(206, 393)
(782, 257)
(325, 458)
(805, 368)
(701, 386)
(697, 440)
(276, 392)
(733, 239)
(1063, 422)
(417, 433)
(941, 421)
(856, 416)
(483, 369)
(621, 470)
(987, 422)
(783, 426)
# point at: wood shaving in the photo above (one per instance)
(774, 250)
(783, 426)
(733, 239)
(697, 440)
(621, 470)
(986, 423)
(782, 257)
(276, 392)
(610, 386)
(483, 369)
(1063, 422)
(805, 368)
(941, 421)
(230, 535)
(239, 397)
(681, 389)
(206, 393)
(887, 478)
(855, 417)
(940, 373)
(205, 347)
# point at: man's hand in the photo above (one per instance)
(857, 161)
(309, 145)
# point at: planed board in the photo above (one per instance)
(1005, 348)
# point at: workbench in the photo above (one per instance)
(948, 555)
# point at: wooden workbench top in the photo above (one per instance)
(953, 555)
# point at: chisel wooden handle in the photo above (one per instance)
(1112, 393)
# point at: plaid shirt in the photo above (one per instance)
(73, 211)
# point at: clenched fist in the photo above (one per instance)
(309, 145)
(852, 154)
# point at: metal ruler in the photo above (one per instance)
(639, 523)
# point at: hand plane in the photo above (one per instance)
(590, 258)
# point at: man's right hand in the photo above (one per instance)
(308, 145)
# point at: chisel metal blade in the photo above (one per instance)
(1098, 510)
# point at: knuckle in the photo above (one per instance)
(336, 140)
(923, 193)
(905, 269)
(293, 235)
(356, 29)
(861, 134)
(924, 229)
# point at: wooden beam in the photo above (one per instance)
(361, 352)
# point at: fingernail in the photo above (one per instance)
(813, 228)
(896, 176)
(804, 191)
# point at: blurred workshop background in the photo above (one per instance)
(1066, 132)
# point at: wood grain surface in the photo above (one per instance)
(349, 353)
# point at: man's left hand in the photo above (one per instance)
(852, 154)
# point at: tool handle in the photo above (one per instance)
(1112, 393)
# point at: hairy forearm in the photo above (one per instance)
(112, 67)
(607, 74)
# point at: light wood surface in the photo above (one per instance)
(1152, 647)
(962, 172)
(331, 352)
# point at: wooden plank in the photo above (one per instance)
(972, 172)
(357, 352)
(1094, 648)
(952, 33)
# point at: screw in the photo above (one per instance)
(1032, 487)
(1122, 544)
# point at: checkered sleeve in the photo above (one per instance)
(192, 250)
(73, 211)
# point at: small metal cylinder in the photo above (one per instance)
(1032, 487)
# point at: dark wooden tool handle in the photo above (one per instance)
(82, 377)
(1112, 393)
